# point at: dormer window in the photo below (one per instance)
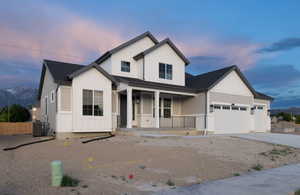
(125, 66)
(165, 71)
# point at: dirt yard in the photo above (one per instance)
(135, 165)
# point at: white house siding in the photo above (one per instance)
(262, 121)
(48, 86)
(64, 109)
(232, 84)
(127, 54)
(164, 54)
(106, 65)
(92, 80)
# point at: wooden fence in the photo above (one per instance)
(7, 128)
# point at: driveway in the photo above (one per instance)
(278, 181)
(274, 138)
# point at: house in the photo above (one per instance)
(142, 84)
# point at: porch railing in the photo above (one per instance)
(178, 122)
(172, 122)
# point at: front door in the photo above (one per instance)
(123, 110)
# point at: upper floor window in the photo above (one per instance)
(125, 66)
(92, 103)
(165, 71)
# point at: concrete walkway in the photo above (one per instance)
(278, 181)
(274, 138)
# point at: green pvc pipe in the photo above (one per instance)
(57, 173)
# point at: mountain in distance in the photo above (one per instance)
(292, 110)
(24, 96)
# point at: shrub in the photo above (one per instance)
(297, 192)
(170, 183)
(68, 181)
(257, 167)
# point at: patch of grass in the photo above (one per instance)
(297, 192)
(68, 181)
(277, 153)
(170, 183)
(236, 174)
(257, 167)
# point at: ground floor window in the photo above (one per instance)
(165, 105)
(92, 103)
(167, 108)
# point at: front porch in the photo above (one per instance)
(144, 109)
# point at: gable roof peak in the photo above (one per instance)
(107, 54)
(165, 41)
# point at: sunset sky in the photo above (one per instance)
(261, 37)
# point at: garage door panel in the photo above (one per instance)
(232, 121)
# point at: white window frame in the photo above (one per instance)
(127, 67)
(93, 103)
(165, 71)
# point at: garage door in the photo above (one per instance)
(232, 119)
(260, 119)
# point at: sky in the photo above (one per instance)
(261, 37)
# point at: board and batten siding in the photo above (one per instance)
(232, 84)
(64, 109)
(164, 54)
(92, 80)
(48, 86)
(127, 54)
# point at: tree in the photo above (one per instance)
(285, 116)
(298, 119)
(15, 113)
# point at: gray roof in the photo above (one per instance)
(206, 81)
(165, 41)
(155, 85)
(93, 65)
(107, 54)
(63, 73)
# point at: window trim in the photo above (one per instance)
(165, 65)
(93, 103)
(123, 62)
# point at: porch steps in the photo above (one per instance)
(159, 133)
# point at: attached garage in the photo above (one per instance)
(231, 103)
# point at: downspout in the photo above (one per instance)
(144, 68)
(205, 116)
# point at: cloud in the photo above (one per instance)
(239, 52)
(273, 76)
(282, 45)
(285, 102)
(40, 30)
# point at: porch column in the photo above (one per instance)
(129, 107)
(156, 107)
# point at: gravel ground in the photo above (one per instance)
(104, 167)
